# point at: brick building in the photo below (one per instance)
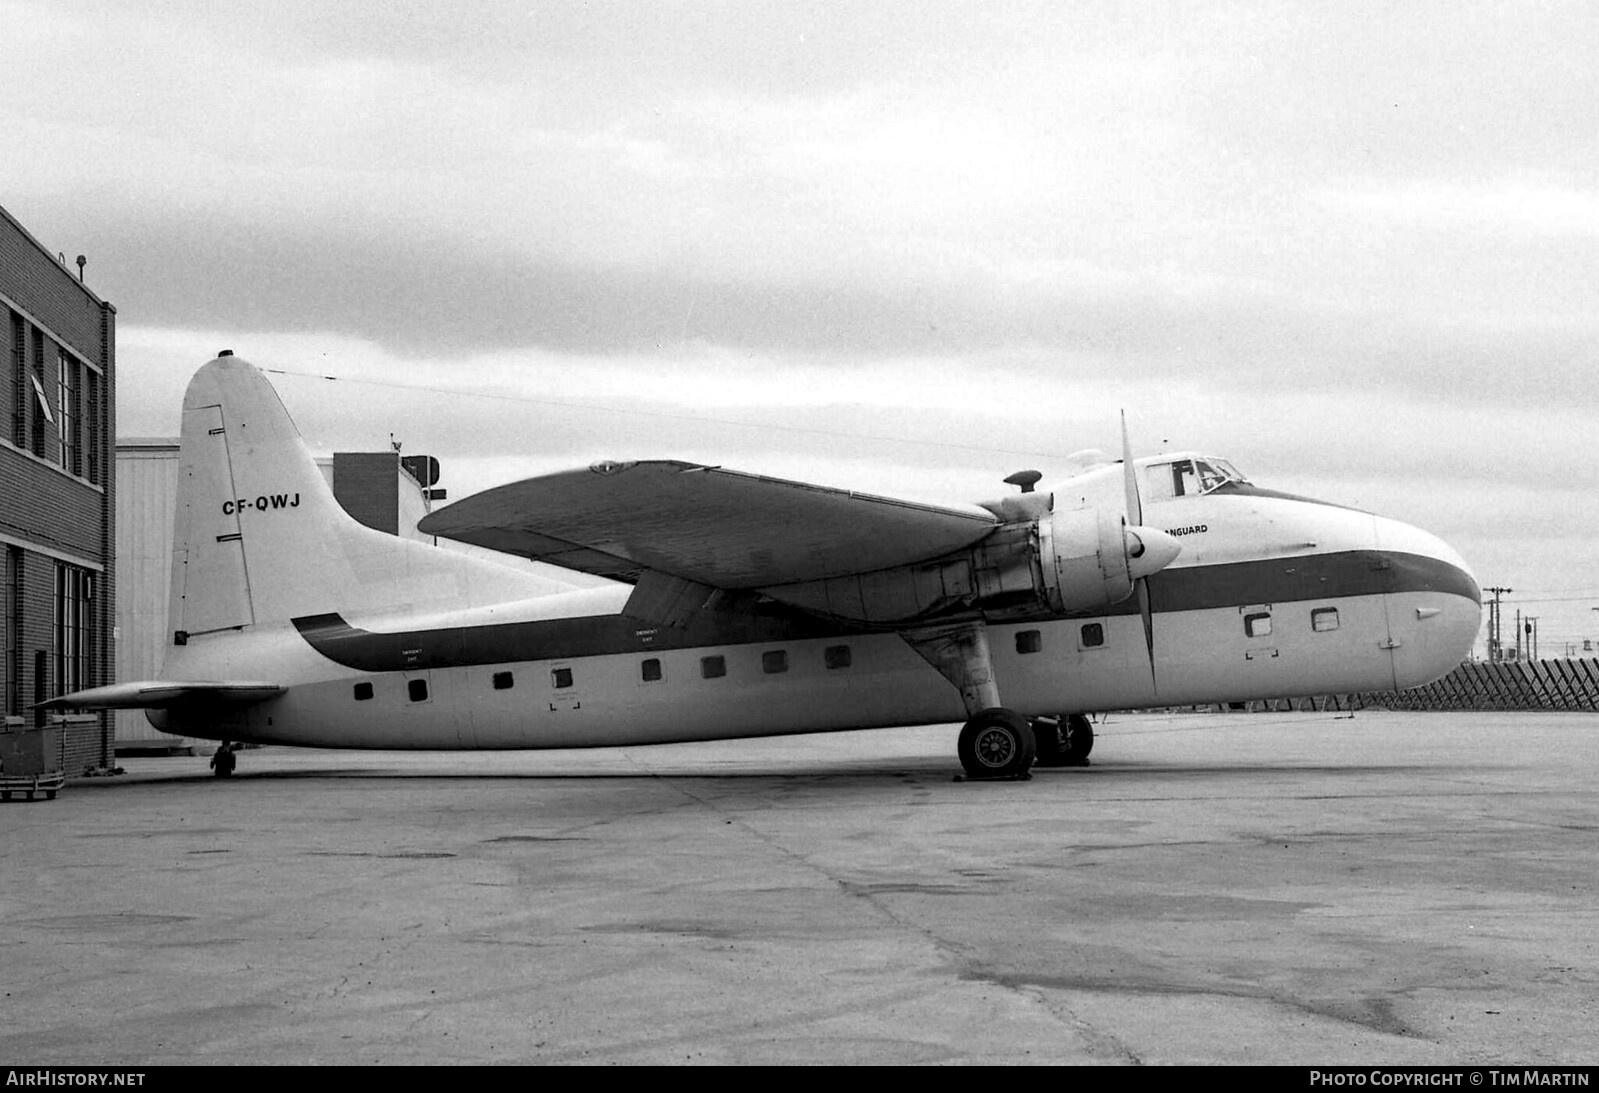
(57, 504)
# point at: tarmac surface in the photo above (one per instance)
(1376, 888)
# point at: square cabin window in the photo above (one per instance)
(561, 677)
(363, 692)
(417, 690)
(836, 656)
(713, 667)
(504, 681)
(1093, 635)
(1029, 641)
(774, 661)
(1323, 619)
(650, 670)
(1258, 625)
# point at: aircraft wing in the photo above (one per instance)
(715, 527)
(156, 694)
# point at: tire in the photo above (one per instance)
(1050, 736)
(1079, 734)
(1065, 742)
(997, 743)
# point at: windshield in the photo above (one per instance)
(1189, 477)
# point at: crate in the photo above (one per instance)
(28, 752)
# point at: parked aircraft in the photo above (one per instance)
(740, 605)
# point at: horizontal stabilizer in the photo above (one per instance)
(160, 694)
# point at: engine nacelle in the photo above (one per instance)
(1083, 555)
(1064, 562)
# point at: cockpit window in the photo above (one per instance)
(1228, 472)
(1189, 477)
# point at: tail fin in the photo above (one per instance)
(259, 539)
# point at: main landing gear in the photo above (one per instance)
(1064, 741)
(997, 742)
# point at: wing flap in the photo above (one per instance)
(712, 526)
(159, 694)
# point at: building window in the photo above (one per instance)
(1258, 625)
(713, 667)
(560, 678)
(13, 667)
(41, 403)
(74, 626)
(363, 692)
(1029, 641)
(417, 689)
(504, 681)
(1092, 635)
(19, 381)
(68, 424)
(836, 656)
(91, 405)
(650, 670)
(774, 661)
(1323, 619)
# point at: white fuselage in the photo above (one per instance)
(1272, 596)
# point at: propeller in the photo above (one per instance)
(1135, 518)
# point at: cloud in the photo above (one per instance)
(1352, 248)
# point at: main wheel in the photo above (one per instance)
(1049, 733)
(1064, 742)
(1079, 734)
(997, 743)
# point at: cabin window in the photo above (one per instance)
(713, 667)
(1258, 625)
(560, 677)
(504, 681)
(1029, 641)
(417, 689)
(650, 670)
(363, 691)
(774, 661)
(1093, 635)
(1323, 619)
(836, 656)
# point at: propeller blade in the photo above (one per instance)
(1144, 609)
(1135, 517)
(1135, 506)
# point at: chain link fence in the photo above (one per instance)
(1523, 685)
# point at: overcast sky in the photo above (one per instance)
(903, 247)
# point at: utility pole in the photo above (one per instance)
(1532, 636)
(1496, 649)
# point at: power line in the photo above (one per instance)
(1556, 599)
(696, 419)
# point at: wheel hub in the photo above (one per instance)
(995, 747)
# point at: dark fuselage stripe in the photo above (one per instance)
(1195, 588)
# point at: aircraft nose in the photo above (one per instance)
(1435, 610)
(1149, 550)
